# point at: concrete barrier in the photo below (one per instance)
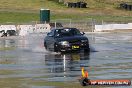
(7, 27)
(42, 28)
(25, 29)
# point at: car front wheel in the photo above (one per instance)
(87, 50)
(45, 45)
(56, 48)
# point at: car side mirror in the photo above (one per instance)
(82, 33)
(48, 34)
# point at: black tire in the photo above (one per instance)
(56, 48)
(86, 50)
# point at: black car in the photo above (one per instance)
(7, 33)
(11, 32)
(66, 39)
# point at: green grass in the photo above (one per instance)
(23, 17)
(6, 48)
(61, 84)
(30, 82)
(26, 11)
(17, 17)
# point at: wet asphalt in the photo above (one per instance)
(26, 58)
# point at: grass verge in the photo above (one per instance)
(24, 17)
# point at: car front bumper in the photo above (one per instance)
(72, 47)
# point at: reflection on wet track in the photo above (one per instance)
(67, 65)
(25, 58)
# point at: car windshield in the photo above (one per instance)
(67, 32)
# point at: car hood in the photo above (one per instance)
(69, 38)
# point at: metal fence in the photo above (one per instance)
(83, 25)
(86, 25)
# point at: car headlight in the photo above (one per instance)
(66, 43)
(84, 40)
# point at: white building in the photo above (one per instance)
(109, 27)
